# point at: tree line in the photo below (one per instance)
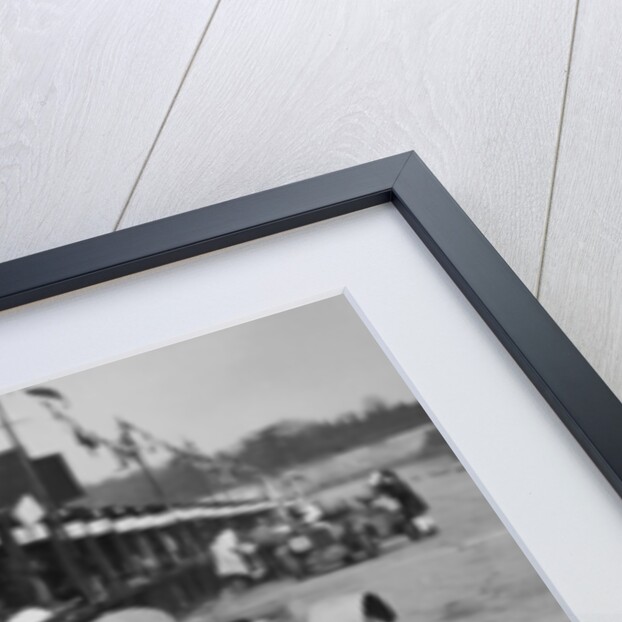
(271, 450)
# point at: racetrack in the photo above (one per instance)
(471, 571)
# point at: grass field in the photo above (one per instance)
(471, 571)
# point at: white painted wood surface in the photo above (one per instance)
(84, 87)
(582, 276)
(284, 90)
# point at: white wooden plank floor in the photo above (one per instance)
(115, 114)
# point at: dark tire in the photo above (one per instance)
(299, 570)
(434, 531)
(411, 532)
(371, 544)
(372, 549)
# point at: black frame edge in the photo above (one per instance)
(562, 375)
(113, 255)
(565, 379)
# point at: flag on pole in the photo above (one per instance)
(86, 439)
(127, 442)
(50, 399)
(48, 395)
(121, 457)
(125, 449)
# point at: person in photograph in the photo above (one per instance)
(388, 483)
(310, 513)
(231, 569)
(171, 547)
(23, 583)
(269, 544)
(309, 516)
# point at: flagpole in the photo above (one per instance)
(182, 529)
(131, 447)
(203, 479)
(137, 456)
(57, 534)
(148, 473)
(207, 481)
(195, 454)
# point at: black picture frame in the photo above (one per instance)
(572, 388)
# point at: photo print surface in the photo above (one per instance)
(279, 469)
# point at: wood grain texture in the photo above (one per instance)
(84, 87)
(282, 91)
(582, 275)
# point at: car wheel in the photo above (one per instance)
(412, 533)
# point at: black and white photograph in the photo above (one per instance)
(310, 311)
(280, 469)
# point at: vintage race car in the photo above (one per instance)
(328, 544)
(380, 516)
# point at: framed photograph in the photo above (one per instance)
(330, 400)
